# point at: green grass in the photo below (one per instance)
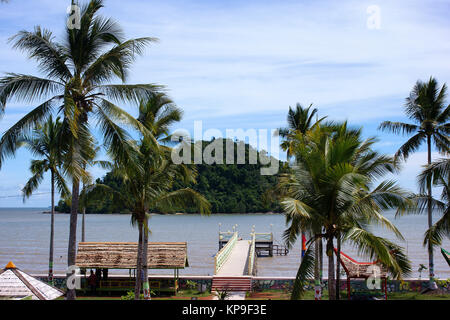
(309, 295)
(417, 296)
(181, 295)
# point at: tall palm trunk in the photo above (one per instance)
(338, 266)
(145, 284)
(71, 254)
(331, 278)
(321, 260)
(83, 223)
(52, 231)
(430, 220)
(137, 287)
(317, 286)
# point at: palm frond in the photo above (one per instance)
(183, 198)
(129, 93)
(398, 127)
(61, 185)
(12, 138)
(305, 272)
(38, 168)
(377, 248)
(26, 88)
(117, 141)
(117, 61)
(40, 46)
(410, 146)
(439, 230)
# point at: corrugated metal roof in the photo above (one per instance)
(15, 283)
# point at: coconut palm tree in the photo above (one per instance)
(147, 186)
(157, 114)
(78, 72)
(300, 121)
(148, 181)
(45, 143)
(331, 194)
(426, 107)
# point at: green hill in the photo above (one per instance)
(230, 188)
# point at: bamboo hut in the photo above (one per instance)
(16, 284)
(123, 255)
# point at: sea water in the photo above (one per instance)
(25, 234)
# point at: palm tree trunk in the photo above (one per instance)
(430, 220)
(83, 237)
(321, 260)
(83, 234)
(71, 254)
(317, 286)
(52, 231)
(137, 287)
(145, 285)
(338, 266)
(331, 278)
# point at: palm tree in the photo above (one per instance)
(157, 114)
(331, 194)
(148, 187)
(426, 107)
(45, 143)
(77, 84)
(300, 121)
(148, 180)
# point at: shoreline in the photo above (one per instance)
(171, 214)
(209, 277)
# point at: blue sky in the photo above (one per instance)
(241, 64)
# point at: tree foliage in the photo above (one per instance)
(229, 188)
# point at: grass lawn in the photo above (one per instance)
(181, 295)
(309, 295)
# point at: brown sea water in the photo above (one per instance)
(24, 239)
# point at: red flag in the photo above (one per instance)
(303, 244)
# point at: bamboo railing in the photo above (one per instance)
(251, 257)
(222, 256)
(264, 237)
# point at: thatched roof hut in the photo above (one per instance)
(123, 255)
(16, 284)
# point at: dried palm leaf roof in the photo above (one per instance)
(15, 283)
(123, 255)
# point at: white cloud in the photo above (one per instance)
(250, 59)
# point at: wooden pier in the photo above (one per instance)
(264, 245)
(235, 262)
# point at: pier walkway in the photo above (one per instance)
(234, 266)
(235, 263)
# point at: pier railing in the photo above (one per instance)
(267, 237)
(222, 256)
(251, 258)
(226, 235)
